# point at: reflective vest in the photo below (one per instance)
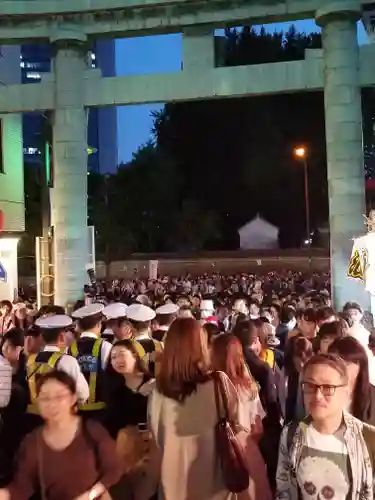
(37, 365)
(145, 347)
(87, 352)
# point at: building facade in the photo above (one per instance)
(36, 59)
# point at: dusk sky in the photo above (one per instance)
(161, 54)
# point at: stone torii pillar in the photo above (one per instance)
(69, 194)
(345, 160)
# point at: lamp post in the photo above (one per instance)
(301, 153)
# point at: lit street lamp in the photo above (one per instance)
(301, 153)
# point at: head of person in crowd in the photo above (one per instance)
(12, 345)
(186, 362)
(265, 314)
(354, 311)
(276, 313)
(227, 356)
(207, 308)
(212, 331)
(56, 398)
(308, 324)
(89, 318)
(248, 334)
(33, 340)
(6, 308)
(140, 317)
(328, 333)
(126, 360)
(288, 317)
(54, 329)
(117, 327)
(254, 308)
(299, 351)
(165, 315)
(185, 312)
(356, 360)
(325, 314)
(325, 390)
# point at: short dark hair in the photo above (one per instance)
(15, 337)
(352, 305)
(332, 360)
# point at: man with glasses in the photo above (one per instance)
(328, 455)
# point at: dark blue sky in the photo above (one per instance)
(160, 54)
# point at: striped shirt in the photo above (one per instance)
(5, 382)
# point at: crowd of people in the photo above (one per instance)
(208, 388)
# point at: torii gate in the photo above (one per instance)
(341, 69)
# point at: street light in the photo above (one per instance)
(301, 153)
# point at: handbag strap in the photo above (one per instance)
(220, 395)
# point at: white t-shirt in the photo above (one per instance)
(248, 409)
(324, 467)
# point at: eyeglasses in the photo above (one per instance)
(324, 389)
(54, 399)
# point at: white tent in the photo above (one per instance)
(258, 234)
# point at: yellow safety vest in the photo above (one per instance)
(36, 368)
(268, 356)
(142, 352)
(91, 404)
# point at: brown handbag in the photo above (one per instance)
(231, 453)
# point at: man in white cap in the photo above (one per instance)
(165, 315)
(52, 357)
(92, 354)
(141, 316)
(117, 326)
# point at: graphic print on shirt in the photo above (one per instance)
(323, 475)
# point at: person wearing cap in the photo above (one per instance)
(117, 326)
(140, 317)
(92, 354)
(51, 358)
(165, 315)
(207, 309)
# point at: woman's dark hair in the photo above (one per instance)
(351, 351)
(334, 329)
(296, 346)
(246, 332)
(58, 376)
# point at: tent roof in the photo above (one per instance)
(259, 223)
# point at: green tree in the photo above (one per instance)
(236, 155)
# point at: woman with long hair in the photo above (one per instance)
(66, 458)
(183, 416)
(227, 356)
(362, 400)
